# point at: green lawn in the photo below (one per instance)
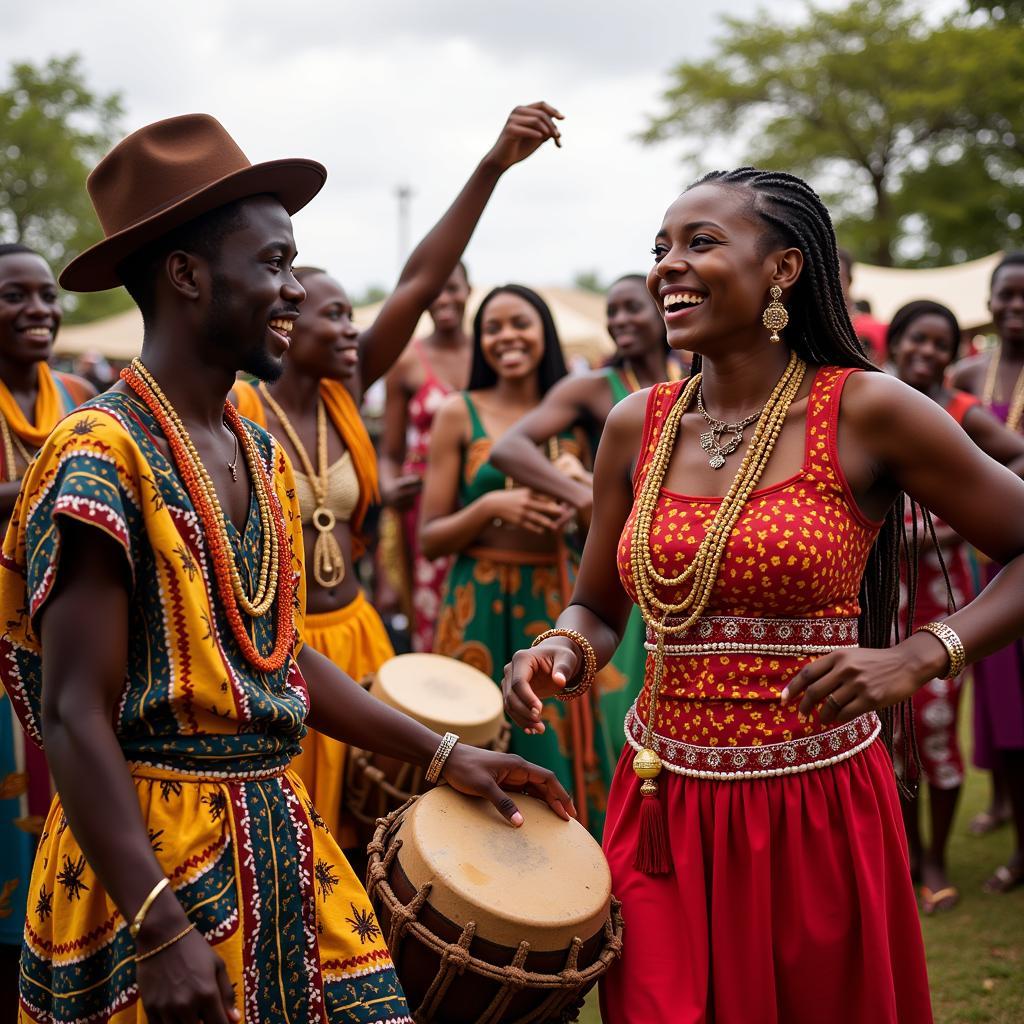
(976, 951)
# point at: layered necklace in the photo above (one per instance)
(272, 584)
(711, 440)
(702, 572)
(12, 442)
(328, 560)
(1016, 412)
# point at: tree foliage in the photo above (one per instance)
(54, 129)
(912, 129)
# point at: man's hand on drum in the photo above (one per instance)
(534, 674)
(489, 774)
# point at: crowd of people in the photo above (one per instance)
(722, 581)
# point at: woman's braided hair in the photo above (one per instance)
(821, 333)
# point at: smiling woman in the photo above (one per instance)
(32, 399)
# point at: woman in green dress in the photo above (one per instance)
(514, 560)
(584, 401)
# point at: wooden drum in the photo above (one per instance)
(443, 694)
(487, 923)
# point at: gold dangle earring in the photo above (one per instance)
(775, 316)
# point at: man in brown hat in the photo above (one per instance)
(152, 592)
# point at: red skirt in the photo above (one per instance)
(790, 902)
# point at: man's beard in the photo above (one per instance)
(244, 353)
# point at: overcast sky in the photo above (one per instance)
(387, 92)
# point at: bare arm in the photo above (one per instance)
(397, 489)
(995, 439)
(919, 448)
(570, 402)
(600, 607)
(433, 260)
(84, 636)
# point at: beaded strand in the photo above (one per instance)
(204, 498)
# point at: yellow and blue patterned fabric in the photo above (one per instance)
(207, 739)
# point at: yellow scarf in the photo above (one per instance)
(49, 410)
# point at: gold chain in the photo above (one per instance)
(328, 560)
(266, 590)
(12, 443)
(703, 569)
(1016, 412)
(631, 378)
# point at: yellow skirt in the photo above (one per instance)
(258, 874)
(355, 639)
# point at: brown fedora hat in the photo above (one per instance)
(168, 173)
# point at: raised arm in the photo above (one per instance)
(84, 635)
(599, 607)
(916, 447)
(433, 260)
(570, 402)
(396, 489)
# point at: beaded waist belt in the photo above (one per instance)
(730, 634)
(167, 773)
(768, 760)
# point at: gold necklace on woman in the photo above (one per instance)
(702, 570)
(1016, 412)
(12, 442)
(328, 560)
(631, 378)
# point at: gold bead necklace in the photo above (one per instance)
(703, 569)
(1016, 412)
(266, 589)
(328, 560)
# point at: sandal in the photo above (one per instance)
(940, 900)
(985, 822)
(1004, 878)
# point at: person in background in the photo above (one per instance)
(313, 411)
(922, 342)
(429, 370)
(94, 367)
(512, 563)
(584, 401)
(870, 331)
(32, 400)
(997, 378)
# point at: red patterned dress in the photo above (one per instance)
(428, 574)
(790, 900)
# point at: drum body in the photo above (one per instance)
(441, 693)
(488, 924)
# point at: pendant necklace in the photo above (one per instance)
(711, 440)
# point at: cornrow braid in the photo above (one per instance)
(821, 333)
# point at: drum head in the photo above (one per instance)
(546, 882)
(443, 694)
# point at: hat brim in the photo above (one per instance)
(294, 182)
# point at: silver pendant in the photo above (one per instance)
(717, 460)
(707, 440)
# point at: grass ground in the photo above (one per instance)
(976, 951)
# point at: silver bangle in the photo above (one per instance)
(440, 757)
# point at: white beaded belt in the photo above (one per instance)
(731, 634)
(734, 764)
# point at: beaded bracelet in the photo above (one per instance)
(139, 957)
(589, 661)
(949, 639)
(441, 756)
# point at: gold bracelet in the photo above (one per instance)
(136, 926)
(441, 756)
(589, 661)
(139, 957)
(949, 639)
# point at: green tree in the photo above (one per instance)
(911, 129)
(589, 281)
(54, 129)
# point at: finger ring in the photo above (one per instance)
(836, 706)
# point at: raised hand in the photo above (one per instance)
(534, 674)
(525, 131)
(487, 773)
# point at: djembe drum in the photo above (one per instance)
(441, 693)
(488, 924)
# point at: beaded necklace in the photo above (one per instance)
(272, 585)
(328, 561)
(11, 441)
(703, 569)
(1016, 412)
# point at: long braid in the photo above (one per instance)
(821, 333)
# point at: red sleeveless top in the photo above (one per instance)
(787, 590)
